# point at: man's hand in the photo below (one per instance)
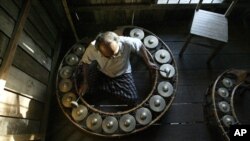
(83, 88)
(152, 66)
(144, 53)
(84, 85)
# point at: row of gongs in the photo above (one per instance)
(167, 70)
(127, 122)
(162, 56)
(68, 67)
(98, 122)
(149, 41)
(224, 91)
(143, 115)
(220, 100)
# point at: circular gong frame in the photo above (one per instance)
(155, 77)
(212, 111)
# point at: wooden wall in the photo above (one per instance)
(25, 99)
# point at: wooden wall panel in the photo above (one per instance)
(24, 39)
(38, 38)
(45, 17)
(24, 102)
(28, 65)
(3, 43)
(33, 50)
(37, 21)
(25, 137)
(22, 83)
(14, 105)
(6, 23)
(18, 126)
(19, 3)
(56, 13)
(11, 7)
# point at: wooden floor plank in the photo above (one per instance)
(184, 113)
(220, 62)
(190, 93)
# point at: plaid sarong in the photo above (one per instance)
(121, 87)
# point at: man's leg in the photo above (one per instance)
(94, 81)
(122, 87)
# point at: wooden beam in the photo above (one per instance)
(129, 7)
(11, 49)
(23, 137)
(51, 88)
(146, 7)
(67, 12)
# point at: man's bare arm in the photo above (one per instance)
(145, 56)
(84, 84)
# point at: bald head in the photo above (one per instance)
(107, 43)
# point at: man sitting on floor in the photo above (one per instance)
(113, 74)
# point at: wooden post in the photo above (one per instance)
(67, 12)
(50, 88)
(230, 8)
(198, 5)
(185, 45)
(11, 49)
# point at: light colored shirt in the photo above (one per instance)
(118, 65)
